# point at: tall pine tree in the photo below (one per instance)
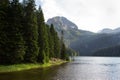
(4, 4)
(51, 42)
(30, 32)
(63, 54)
(43, 56)
(55, 41)
(13, 42)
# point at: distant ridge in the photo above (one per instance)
(110, 31)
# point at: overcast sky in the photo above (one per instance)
(92, 15)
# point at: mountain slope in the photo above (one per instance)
(86, 46)
(85, 42)
(71, 31)
(110, 51)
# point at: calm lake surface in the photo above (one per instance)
(83, 68)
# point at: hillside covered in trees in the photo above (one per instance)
(113, 51)
(24, 36)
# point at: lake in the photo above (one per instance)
(83, 68)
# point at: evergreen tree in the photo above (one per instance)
(4, 4)
(55, 42)
(64, 55)
(56, 45)
(42, 38)
(13, 41)
(51, 42)
(30, 32)
(63, 49)
(3, 10)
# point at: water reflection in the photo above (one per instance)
(91, 68)
(35, 74)
(83, 68)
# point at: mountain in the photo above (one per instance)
(110, 31)
(62, 23)
(71, 31)
(86, 43)
(106, 30)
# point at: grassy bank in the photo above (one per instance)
(20, 67)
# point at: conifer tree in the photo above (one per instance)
(30, 32)
(4, 4)
(56, 45)
(42, 38)
(13, 42)
(56, 42)
(51, 42)
(63, 54)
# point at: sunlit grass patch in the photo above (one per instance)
(20, 67)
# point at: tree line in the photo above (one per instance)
(24, 36)
(112, 51)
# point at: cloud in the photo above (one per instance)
(90, 15)
(51, 9)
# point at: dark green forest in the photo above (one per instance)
(113, 51)
(24, 35)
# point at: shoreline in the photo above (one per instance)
(28, 66)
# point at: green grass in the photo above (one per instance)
(20, 67)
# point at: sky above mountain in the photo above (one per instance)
(92, 15)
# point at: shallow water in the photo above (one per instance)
(83, 68)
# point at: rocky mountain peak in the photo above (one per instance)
(62, 23)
